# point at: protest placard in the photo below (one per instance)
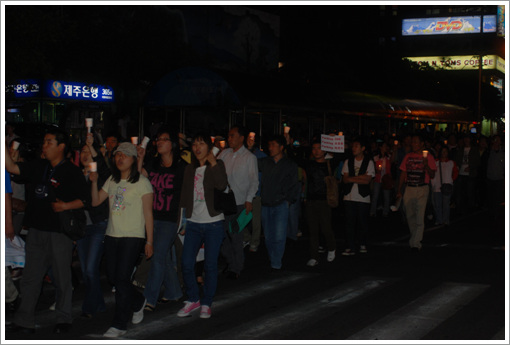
(332, 143)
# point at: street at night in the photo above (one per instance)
(454, 290)
(255, 172)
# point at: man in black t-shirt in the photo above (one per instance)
(59, 186)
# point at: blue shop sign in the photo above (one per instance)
(57, 89)
(77, 91)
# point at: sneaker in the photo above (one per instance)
(205, 312)
(331, 255)
(138, 315)
(113, 332)
(246, 243)
(113, 289)
(312, 262)
(52, 307)
(362, 249)
(348, 252)
(321, 249)
(188, 308)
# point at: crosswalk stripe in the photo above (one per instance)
(304, 310)
(419, 317)
(145, 329)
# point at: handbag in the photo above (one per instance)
(225, 202)
(446, 188)
(73, 223)
(331, 188)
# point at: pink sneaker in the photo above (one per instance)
(188, 308)
(205, 312)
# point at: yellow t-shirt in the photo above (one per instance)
(126, 208)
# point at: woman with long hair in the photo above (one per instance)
(130, 226)
(204, 223)
(91, 247)
(165, 172)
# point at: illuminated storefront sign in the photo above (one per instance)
(501, 20)
(448, 25)
(60, 90)
(465, 62)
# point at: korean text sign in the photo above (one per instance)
(332, 143)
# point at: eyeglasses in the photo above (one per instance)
(163, 139)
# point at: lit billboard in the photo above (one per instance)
(60, 89)
(501, 20)
(441, 26)
(464, 62)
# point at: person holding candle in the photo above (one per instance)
(59, 186)
(130, 228)
(91, 247)
(417, 168)
(383, 180)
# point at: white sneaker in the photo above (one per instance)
(362, 249)
(113, 332)
(52, 307)
(312, 262)
(331, 255)
(205, 312)
(138, 315)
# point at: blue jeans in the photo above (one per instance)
(121, 254)
(163, 269)
(442, 207)
(356, 223)
(211, 235)
(275, 220)
(90, 252)
(375, 199)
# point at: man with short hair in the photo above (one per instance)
(417, 168)
(242, 173)
(358, 172)
(279, 187)
(112, 141)
(59, 186)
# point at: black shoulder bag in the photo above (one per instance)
(225, 202)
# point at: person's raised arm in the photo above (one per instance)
(98, 196)
(10, 165)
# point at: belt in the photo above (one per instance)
(416, 185)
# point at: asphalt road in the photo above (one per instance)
(454, 290)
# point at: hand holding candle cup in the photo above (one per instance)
(134, 140)
(425, 153)
(89, 121)
(286, 129)
(145, 141)
(340, 134)
(252, 135)
(15, 145)
(215, 151)
(93, 166)
(395, 142)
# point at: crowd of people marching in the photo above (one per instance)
(168, 199)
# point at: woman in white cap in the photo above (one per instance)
(130, 196)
